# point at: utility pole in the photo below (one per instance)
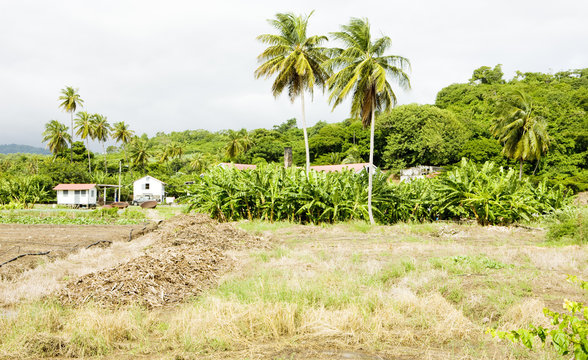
(119, 171)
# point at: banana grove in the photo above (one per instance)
(488, 194)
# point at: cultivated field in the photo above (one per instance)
(55, 241)
(283, 291)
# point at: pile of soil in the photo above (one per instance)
(187, 256)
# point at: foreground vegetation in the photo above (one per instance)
(73, 217)
(486, 194)
(323, 292)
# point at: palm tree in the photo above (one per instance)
(165, 154)
(56, 136)
(70, 102)
(296, 60)
(101, 132)
(122, 133)
(246, 141)
(176, 150)
(140, 152)
(197, 162)
(363, 71)
(235, 146)
(523, 134)
(84, 124)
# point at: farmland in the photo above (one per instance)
(289, 291)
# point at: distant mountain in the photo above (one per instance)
(23, 149)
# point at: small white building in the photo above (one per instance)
(150, 188)
(76, 194)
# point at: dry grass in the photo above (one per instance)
(338, 292)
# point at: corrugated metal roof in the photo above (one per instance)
(74, 187)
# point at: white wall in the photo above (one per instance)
(85, 197)
(156, 189)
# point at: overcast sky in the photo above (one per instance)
(178, 65)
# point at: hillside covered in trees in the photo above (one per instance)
(458, 125)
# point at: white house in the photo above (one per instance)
(76, 194)
(150, 188)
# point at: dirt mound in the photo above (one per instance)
(187, 257)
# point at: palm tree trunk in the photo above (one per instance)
(305, 133)
(104, 151)
(72, 139)
(371, 166)
(521, 169)
(89, 164)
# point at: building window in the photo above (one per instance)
(65, 193)
(147, 186)
(76, 192)
(92, 193)
(83, 192)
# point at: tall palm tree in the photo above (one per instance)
(70, 100)
(101, 132)
(165, 154)
(56, 137)
(122, 133)
(295, 59)
(84, 124)
(235, 146)
(176, 150)
(197, 162)
(363, 71)
(523, 134)
(139, 152)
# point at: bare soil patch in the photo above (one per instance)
(187, 256)
(57, 240)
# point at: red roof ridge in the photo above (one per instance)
(74, 186)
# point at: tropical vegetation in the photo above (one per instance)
(487, 194)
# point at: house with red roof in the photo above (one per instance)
(76, 194)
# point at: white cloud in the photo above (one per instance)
(175, 65)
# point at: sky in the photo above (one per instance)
(163, 66)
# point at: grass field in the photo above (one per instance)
(348, 291)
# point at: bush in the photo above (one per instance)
(568, 225)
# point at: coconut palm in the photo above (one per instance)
(84, 124)
(363, 71)
(176, 150)
(139, 152)
(56, 137)
(165, 154)
(101, 132)
(70, 100)
(197, 162)
(122, 133)
(235, 146)
(523, 134)
(295, 59)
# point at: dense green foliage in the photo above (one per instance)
(421, 134)
(560, 99)
(489, 194)
(458, 125)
